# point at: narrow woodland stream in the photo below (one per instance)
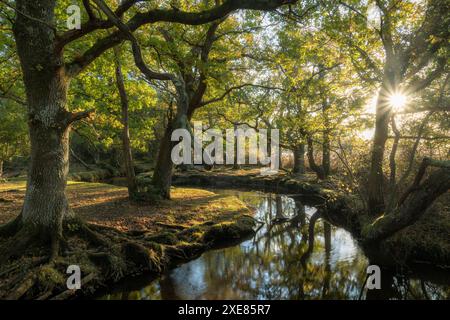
(282, 261)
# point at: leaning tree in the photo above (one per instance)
(401, 53)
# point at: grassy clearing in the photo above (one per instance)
(109, 205)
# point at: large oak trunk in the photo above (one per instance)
(45, 203)
(45, 81)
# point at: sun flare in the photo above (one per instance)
(398, 101)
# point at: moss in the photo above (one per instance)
(426, 240)
(91, 176)
(48, 277)
(111, 266)
(208, 218)
(228, 231)
(193, 234)
(184, 251)
(163, 238)
(143, 258)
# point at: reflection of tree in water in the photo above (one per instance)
(289, 258)
(395, 285)
(295, 255)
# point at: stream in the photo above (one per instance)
(294, 255)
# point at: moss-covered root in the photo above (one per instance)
(219, 233)
(106, 255)
(230, 230)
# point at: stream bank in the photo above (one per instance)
(294, 254)
(427, 242)
(116, 239)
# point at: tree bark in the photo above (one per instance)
(126, 144)
(1, 168)
(45, 205)
(299, 159)
(376, 202)
(162, 176)
(326, 154)
(312, 162)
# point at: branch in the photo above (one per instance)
(420, 84)
(77, 116)
(392, 156)
(88, 8)
(426, 162)
(210, 38)
(228, 91)
(236, 123)
(414, 203)
(6, 94)
(137, 54)
(92, 24)
(164, 15)
(414, 148)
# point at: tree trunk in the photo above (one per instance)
(393, 167)
(236, 166)
(376, 203)
(45, 204)
(162, 176)
(326, 156)
(299, 159)
(126, 145)
(312, 162)
(1, 168)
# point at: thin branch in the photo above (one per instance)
(137, 54)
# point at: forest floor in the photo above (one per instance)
(108, 205)
(116, 238)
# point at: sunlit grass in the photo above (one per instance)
(19, 184)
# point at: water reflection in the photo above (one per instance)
(294, 255)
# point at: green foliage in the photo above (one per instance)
(13, 131)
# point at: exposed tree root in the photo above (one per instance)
(10, 228)
(34, 262)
